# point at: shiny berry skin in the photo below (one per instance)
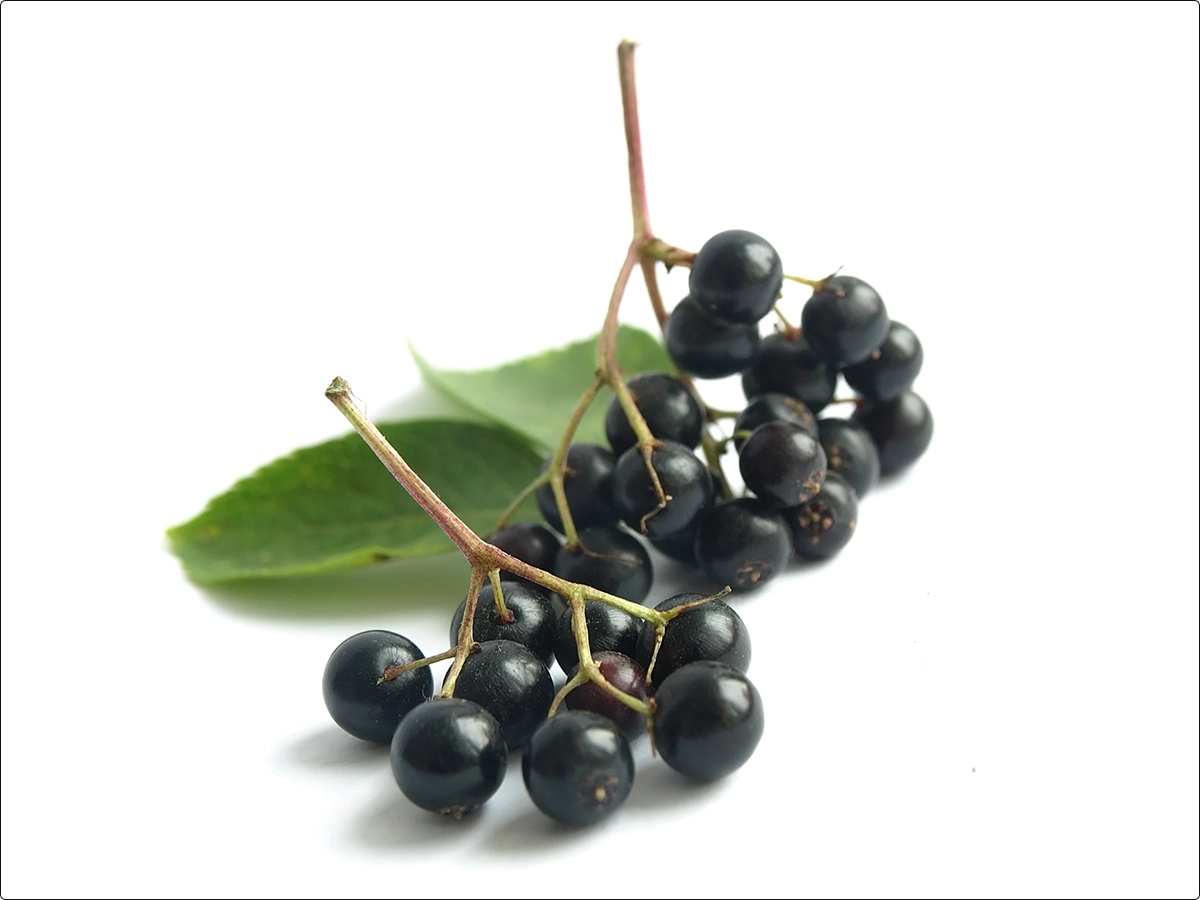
(357, 702)
(789, 365)
(783, 464)
(679, 547)
(533, 624)
(588, 486)
(509, 682)
(705, 346)
(773, 407)
(845, 320)
(448, 756)
(736, 276)
(891, 369)
(685, 481)
(626, 675)
(608, 628)
(671, 411)
(578, 768)
(712, 631)
(743, 543)
(529, 542)
(851, 453)
(709, 720)
(901, 429)
(609, 560)
(824, 525)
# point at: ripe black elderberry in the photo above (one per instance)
(529, 542)
(773, 407)
(610, 560)
(578, 768)
(448, 756)
(705, 346)
(845, 320)
(509, 682)
(851, 453)
(671, 411)
(736, 276)
(608, 628)
(901, 429)
(743, 543)
(587, 484)
(355, 698)
(626, 675)
(685, 482)
(789, 365)
(709, 720)
(783, 464)
(534, 618)
(891, 369)
(712, 631)
(824, 525)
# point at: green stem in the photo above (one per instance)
(557, 470)
(466, 632)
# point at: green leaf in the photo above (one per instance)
(536, 395)
(335, 506)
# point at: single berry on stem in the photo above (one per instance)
(844, 320)
(711, 631)
(533, 624)
(587, 484)
(736, 276)
(507, 680)
(786, 363)
(609, 560)
(608, 628)
(705, 346)
(356, 697)
(671, 411)
(686, 484)
(822, 526)
(850, 451)
(783, 464)
(623, 673)
(891, 369)
(901, 429)
(578, 768)
(743, 543)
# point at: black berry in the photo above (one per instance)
(671, 411)
(891, 369)
(709, 720)
(626, 675)
(788, 365)
(578, 768)
(845, 320)
(773, 407)
(743, 543)
(824, 525)
(448, 756)
(712, 631)
(534, 618)
(736, 276)
(609, 628)
(850, 452)
(783, 464)
(509, 682)
(529, 542)
(708, 347)
(609, 560)
(685, 481)
(587, 484)
(355, 698)
(901, 429)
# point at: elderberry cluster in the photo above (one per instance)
(449, 754)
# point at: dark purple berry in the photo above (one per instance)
(783, 464)
(789, 365)
(891, 369)
(534, 619)
(773, 407)
(609, 628)
(709, 720)
(850, 452)
(711, 631)
(736, 276)
(448, 756)
(509, 682)
(685, 481)
(578, 768)
(901, 429)
(626, 675)
(355, 698)
(743, 543)
(671, 411)
(824, 525)
(587, 484)
(708, 347)
(529, 542)
(845, 320)
(609, 560)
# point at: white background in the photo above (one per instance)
(211, 210)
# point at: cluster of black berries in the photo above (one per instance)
(450, 754)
